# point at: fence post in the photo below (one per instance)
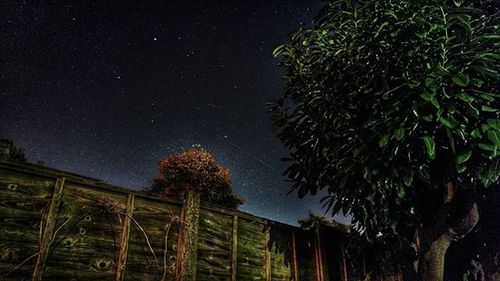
(344, 266)
(267, 253)
(295, 261)
(321, 257)
(124, 236)
(187, 248)
(48, 230)
(234, 249)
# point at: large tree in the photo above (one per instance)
(195, 169)
(393, 107)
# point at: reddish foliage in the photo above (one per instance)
(195, 169)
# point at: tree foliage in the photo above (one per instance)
(8, 151)
(195, 169)
(386, 100)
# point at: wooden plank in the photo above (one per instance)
(159, 224)
(234, 249)
(280, 246)
(214, 247)
(48, 230)
(125, 233)
(267, 256)
(24, 200)
(250, 250)
(319, 257)
(87, 245)
(295, 262)
(344, 266)
(86, 182)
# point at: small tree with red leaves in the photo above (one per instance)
(195, 169)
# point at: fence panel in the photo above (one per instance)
(23, 200)
(214, 246)
(85, 245)
(95, 231)
(155, 225)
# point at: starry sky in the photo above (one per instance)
(107, 88)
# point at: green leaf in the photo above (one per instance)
(408, 179)
(367, 175)
(488, 109)
(325, 151)
(278, 50)
(494, 137)
(426, 96)
(450, 123)
(427, 118)
(401, 191)
(491, 36)
(399, 133)
(486, 71)
(384, 140)
(428, 81)
(494, 123)
(441, 70)
(486, 147)
(461, 168)
(465, 97)
(492, 149)
(434, 102)
(489, 56)
(463, 157)
(476, 133)
(430, 147)
(472, 111)
(461, 79)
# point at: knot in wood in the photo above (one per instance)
(102, 264)
(12, 186)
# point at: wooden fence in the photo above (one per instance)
(55, 225)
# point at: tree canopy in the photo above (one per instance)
(393, 107)
(8, 151)
(195, 169)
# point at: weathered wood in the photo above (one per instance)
(23, 199)
(187, 249)
(250, 250)
(159, 223)
(318, 258)
(295, 262)
(125, 233)
(325, 275)
(306, 256)
(344, 267)
(234, 249)
(48, 230)
(281, 256)
(86, 246)
(91, 229)
(214, 247)
(28, 170)
(267, 255)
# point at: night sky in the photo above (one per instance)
(107, 88)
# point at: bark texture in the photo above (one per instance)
(431, 265)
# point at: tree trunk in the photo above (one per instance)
(431, 268)
(431, 264)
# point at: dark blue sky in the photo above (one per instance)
(107, 88)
